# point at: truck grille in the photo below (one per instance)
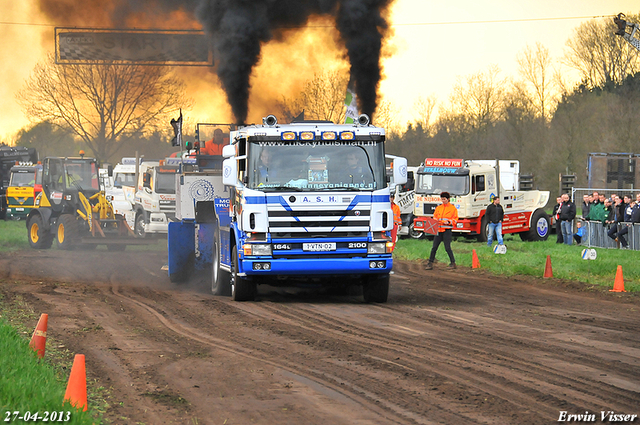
(168, 207)
(321, 223)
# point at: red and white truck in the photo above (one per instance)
(473, 184)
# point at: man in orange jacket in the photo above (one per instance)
(215, 145)
(447, 216)
(397, 220)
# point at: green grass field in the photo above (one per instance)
(529, 258)
(13, 237)
(28, 384)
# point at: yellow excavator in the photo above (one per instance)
(73, 209)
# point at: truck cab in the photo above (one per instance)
(9, 155)
(305, 200)
(154, 204)
(122, 191)
(25, 184)
(473, 184)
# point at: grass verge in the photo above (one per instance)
(529, 258)
(29, 384)
(14, 237)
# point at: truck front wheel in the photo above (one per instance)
(39, 238)
(376, 288)
(139, 226)
(241, 289)
(67, 234)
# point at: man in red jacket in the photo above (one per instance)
(447, 216)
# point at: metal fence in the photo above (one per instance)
(596, 235)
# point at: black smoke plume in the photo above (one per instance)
(239, 28)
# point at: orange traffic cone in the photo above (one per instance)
(548, 271)
(39, 338)
(618, 285)
(475, 263)
(77, 387)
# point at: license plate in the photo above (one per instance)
(322, 246)
(19, 209)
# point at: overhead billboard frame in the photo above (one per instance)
(132, 47)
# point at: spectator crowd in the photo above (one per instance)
(616, 214)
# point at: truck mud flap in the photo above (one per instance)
(181, 247)
(206, 234)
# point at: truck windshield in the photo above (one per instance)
(436, 184)
(81, 175)
(124, 179)
(316, 165)
(23, 178)
(165, 183)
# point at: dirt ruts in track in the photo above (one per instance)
(449, 347)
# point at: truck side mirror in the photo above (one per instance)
(146, 180)
(228, 151)
(399, 171)
(230, 172)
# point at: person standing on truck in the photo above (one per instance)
(495, 215)
(215, 145)
(567, 213)
(447, 216)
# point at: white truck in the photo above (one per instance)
(122, 189)
(154, 203)
(473, 184)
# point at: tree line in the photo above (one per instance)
(535, 117)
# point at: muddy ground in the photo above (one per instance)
(450, 347)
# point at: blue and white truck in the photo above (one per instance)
(308, 199)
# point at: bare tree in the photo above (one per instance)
(103, 104)
(423, 112)
(536, 71)
(386, 116)
(478, 100)
(601, 56)
(322, 98)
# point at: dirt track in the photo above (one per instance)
(450, 347)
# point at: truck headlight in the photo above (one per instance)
(257, 249)
(377, 248)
